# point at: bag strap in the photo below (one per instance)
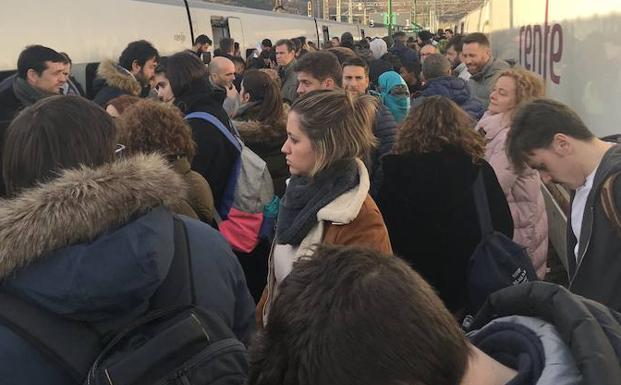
(216, 122)
(608, 202)
(68, 344)
(72, 345)
(231, 184)
(482, 204)
(178, 286)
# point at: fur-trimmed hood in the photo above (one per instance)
(118, 77)
(80, 205)
(252, 131)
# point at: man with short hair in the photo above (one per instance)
(437, 75)
(449, 33)
(551, 138)
(227, 46)
(352, 316)
(427, 50)
(356, 81)
(335, 41)
(266, 45)
(132, 75)
(453, 54)
(318, 71)
(285, 58)
(476, 54)
(221, 78)
(201, 48)
(41, 72)
(400, 49)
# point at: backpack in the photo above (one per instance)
(174, 342)
(248, 192)
(497, 261)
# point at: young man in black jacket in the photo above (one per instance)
(551, 138)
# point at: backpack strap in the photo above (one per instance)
(229, 191)
(216, 122)
(74, 346)
(482, 204)
(68, 344)
(178, 287)
(608, 202)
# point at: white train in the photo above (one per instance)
(91, 30)
(575, 46)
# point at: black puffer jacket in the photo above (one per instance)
(215, 155)
(385, 130)
(591, 331)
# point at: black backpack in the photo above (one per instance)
(497, 261)
(174, 342)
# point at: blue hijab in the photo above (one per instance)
(395, 94)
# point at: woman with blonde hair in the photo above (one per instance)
(522, 188)
(427, 196)
(152, 127)
(327, 199)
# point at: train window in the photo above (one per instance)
(326, 34)
(6, 74)
(89, 77)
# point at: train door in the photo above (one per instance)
(230, 27)
(236, 32)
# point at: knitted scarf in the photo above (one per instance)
(26, 93)
(305, 196)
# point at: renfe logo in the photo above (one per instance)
(541, 47)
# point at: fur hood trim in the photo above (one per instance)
(118, 77)
(80, 205)
(253, 131)
(345, 208)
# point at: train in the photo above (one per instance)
(92, 30)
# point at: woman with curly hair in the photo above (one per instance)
(148, 126)
(522, 188)
(427, 199)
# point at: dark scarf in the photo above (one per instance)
(26, 93)
(305, 196)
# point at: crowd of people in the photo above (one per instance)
(351, 263)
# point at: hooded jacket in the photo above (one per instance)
(112, 81)
(455, 89)
(93, 245)
(215, 155)
(523, 191)
(550, 336)
(481, 83)
(597, 272)
(265, 140)
(428, 206)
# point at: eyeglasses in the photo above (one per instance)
(118, 150)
